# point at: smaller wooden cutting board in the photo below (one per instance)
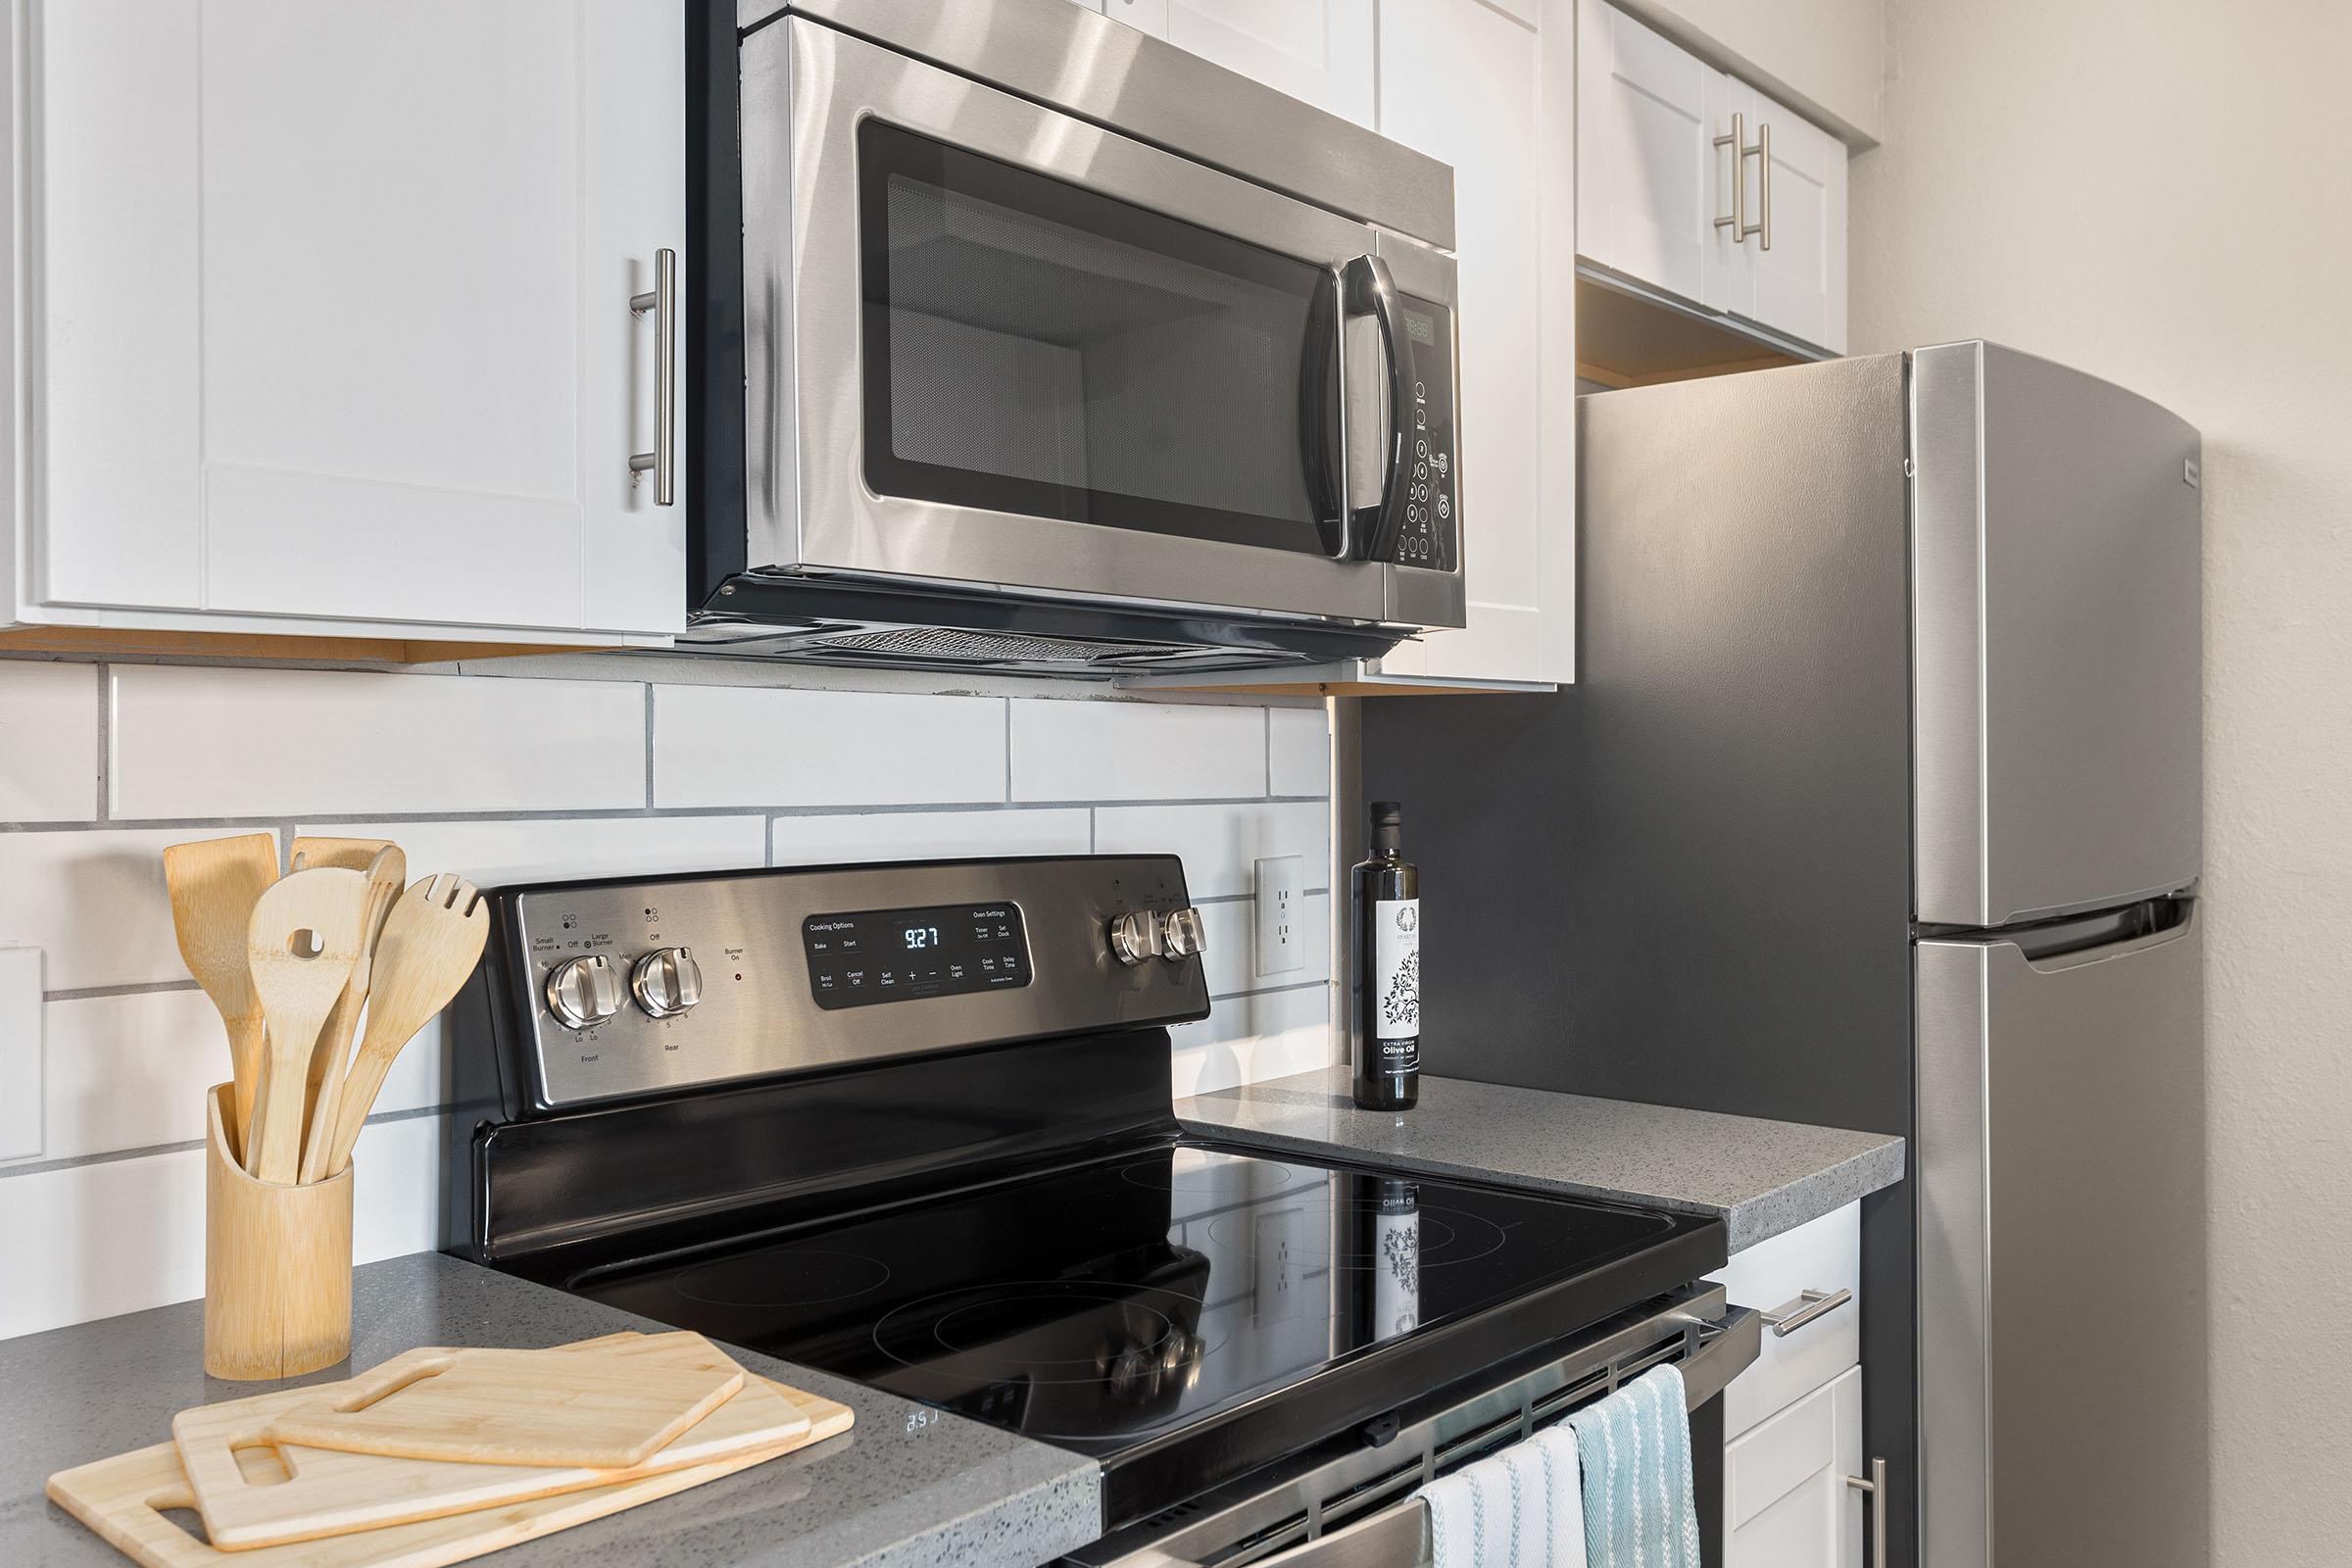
(129, 1499)
(300, 1494)
(601, 1407)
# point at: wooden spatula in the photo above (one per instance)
(387, 871)
(302, 942)
(215, 884)
(431, 942)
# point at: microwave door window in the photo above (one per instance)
(1036, 348)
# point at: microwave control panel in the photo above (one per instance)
(1431, 522)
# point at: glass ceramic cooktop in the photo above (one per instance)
(1101, 1306)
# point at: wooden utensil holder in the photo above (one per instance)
(276, 1264)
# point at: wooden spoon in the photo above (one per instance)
(387, 868)
(302, 941)
(215, 884)
(430, 945)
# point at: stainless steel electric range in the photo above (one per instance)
(912, 1124)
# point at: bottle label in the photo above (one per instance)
(1396, 983)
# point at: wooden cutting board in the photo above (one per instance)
(253, 1494)
(601, 1407)
(128, 1501)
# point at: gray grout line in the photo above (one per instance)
(649, 745)
(1269, 991)
(1009, 750)
(35, 1168)
(1251, 898)
(143, 988)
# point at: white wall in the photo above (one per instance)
(625, 765)
(2148, 189)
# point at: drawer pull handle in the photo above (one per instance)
(1790, 1316)
(1874, 1492)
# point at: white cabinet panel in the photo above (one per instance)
(1785, 1503)
(1647, 178)
(1477, 101)
(334, 309)
(1317, 50)
(1798, 285)
(1823, 1256)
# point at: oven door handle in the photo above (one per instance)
(1397, 1536)
(1367, 289)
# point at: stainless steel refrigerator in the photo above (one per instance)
(1877, 803)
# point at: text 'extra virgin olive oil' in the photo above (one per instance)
(1385, 1014)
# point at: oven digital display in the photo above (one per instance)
(900, 955)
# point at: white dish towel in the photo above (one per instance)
(1520, 1508)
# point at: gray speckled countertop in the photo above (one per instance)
(947, 1494)
(1759, 1177)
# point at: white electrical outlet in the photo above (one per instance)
(20, 1053)
(1281, 889)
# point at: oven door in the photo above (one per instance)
(992, 344)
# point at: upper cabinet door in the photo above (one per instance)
(1463, 86)
(1649, 181)
(1796, 284)
(333, 310)
(1320, 51)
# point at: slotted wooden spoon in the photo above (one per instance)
(304, 938)
(431, 942)
(387, 871)
(215, 884)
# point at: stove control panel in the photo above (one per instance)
(656, 986)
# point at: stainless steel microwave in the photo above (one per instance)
(1025, 341)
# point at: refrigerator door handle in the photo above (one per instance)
(2114, 934)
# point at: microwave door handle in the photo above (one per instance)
(1370, 291)
(1323, 416)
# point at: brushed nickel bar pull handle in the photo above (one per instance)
(1737, 141)
(1790, 1316)
(1764, 179)
(1874, 1496)
(662, 301)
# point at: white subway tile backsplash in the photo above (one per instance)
(1232, 951)
(198, 742)
(129, 1071)
(1220, 843)
(1078, 751)
(122, 1235)
(94, 902)
(48, 743)
(1298, 751)
(730, 746)
(548, 849)
(842, 840)
(1251, 1039)
(92, 1241)
(503, 779)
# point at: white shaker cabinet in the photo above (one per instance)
(1487, 93)
(325, 315)
(1785, 1500)
(1697, 185)
(1320, 51)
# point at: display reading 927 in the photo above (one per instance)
(855, 961)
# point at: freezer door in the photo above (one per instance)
(2056, 640)
(2061, 1171)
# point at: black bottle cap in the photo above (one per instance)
(1387, 813)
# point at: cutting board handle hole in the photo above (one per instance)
(183, 1518)
(374, 1396)
(262, 1464)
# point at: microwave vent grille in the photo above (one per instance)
(940, 644)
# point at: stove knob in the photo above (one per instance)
(582, 992)
(1184, 935)
(667, 982)
(1136, 935)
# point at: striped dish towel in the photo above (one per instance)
(1634, 1445)
(1520, 1508)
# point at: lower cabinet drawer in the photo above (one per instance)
(1822, 1258)
(1785, 1503)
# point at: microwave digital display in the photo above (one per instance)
(1421, 328)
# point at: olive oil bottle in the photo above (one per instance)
(1385, 1011)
